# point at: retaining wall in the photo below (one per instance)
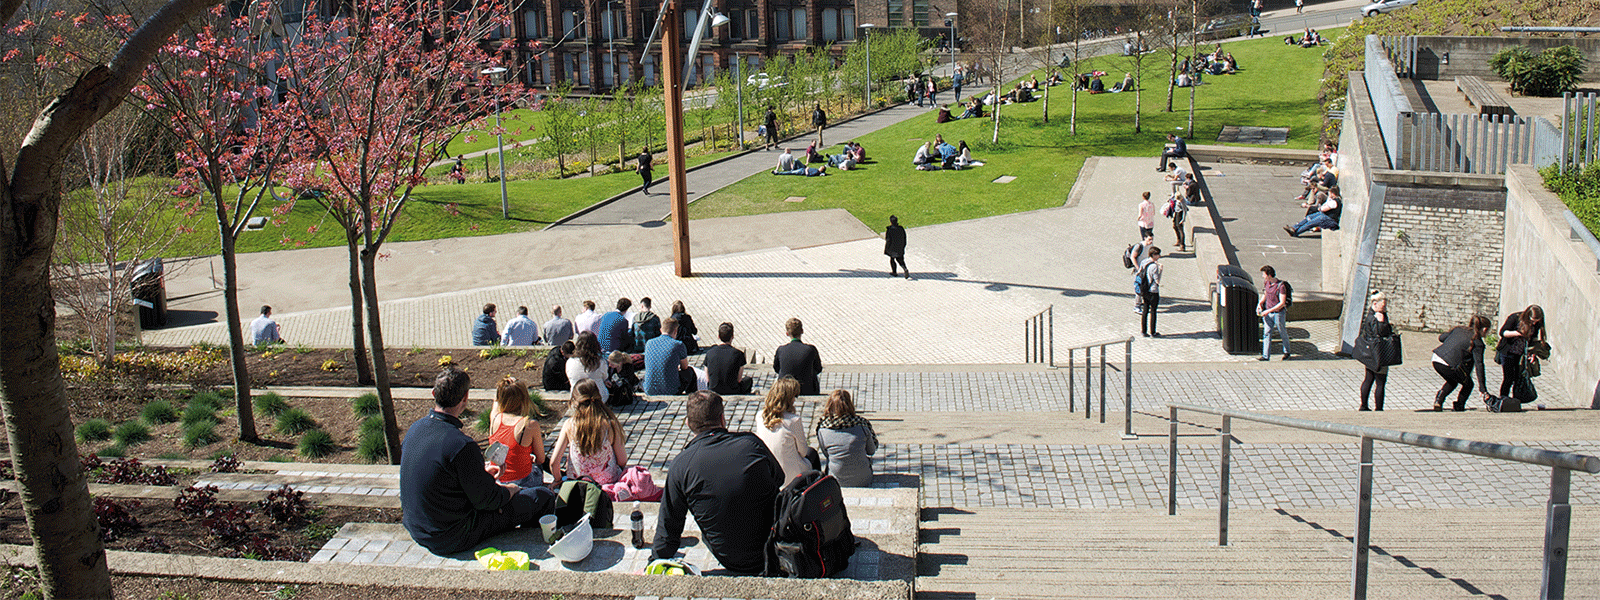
(1439, 249)
(1469, 55)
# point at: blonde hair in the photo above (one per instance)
(592, 420)
(839, 404)
(780, 399)
(1376, 297)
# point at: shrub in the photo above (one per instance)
(493, 352)
(127, 471)
(211, 400)
(286, 505)
(295, 421)
(202, 433)
(1549, 73)
(116, 451)
(1580, 191)
(226, 463)
(482, 422)
(115, 520)
(373, 445)
(271, 404)
(331, 365)
(230, 525)
(366, 405)
(372, 426)
(198, 413)
(131, 433)
(196, 501)
(540, 408)
(158, 412)
(94, 430)
(316, 444)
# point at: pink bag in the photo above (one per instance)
(635, 485)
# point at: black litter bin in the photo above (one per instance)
(1232, 271)
(150, 293)
(1234, 300)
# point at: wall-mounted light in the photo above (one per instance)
(1445, 59)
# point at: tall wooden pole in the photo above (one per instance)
(671, 89)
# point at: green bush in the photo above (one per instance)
(295, 421)
(316, 444)
(112, 452)
(482, 422)
(200, 433)
(158, 412)
(199, 413)
(211, 400)
(131, 433)
(1548, 73)
(373, 449)
(94, 430)
(366, 405)
(1579, 190)
(372, 426)
(271, 404)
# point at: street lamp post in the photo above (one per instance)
(950, 16)
(866, 37)
(500, 142)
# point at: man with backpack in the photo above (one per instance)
(728, 481)
(1276, 295)
(1147, 283)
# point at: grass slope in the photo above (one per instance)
(1275, 87)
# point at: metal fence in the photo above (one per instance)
(1039, 337)
(1483, 144)
(1578, 131)
(1558, 513)
(1401, 50)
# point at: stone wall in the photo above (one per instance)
(1438, 253)
(1469, 55)
(1544, 266)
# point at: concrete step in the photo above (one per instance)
(1301, 554)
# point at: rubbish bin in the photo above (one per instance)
(1232, 271)
(150, 293)
(1234, 300)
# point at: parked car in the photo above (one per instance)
(1236, 25)
(1383, 6)
(763, 81)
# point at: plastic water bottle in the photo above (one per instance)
(636, 521)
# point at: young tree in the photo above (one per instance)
(378, 90)
(561, 123)
(985, 26)
(55, 496)
(113, 219)
(210, 96)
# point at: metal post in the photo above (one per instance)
(1172, 462)
(1102, 383)
(1072, 380)
(500, 141)
(1558, 520)
(1088, 383)
(1358, 569)
(1051, 310)
(738, 78)
(1222, 490)
(1127, 390)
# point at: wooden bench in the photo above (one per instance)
(1479, 94)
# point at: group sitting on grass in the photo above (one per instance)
(938, 154)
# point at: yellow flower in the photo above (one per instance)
(530, 365)
(330, 365)
(445, 361)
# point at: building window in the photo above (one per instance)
(799, 23)
(830, 25)
(847, 23)
(689, 17)
(897, 13)
(781, 32)
(753, 21)
(533, 25)
(614, 24)
(919, 13)
(572, 25)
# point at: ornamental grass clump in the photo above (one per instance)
(316, 443)
(271, 404)
(295, 421)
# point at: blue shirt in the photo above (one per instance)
(662, 356)
(485, 332)
(613, 330)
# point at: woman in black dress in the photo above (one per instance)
(1375, 325)
(1519, 330)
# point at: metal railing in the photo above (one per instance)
(1088, 381)
(1039, 337)
(1578, 130)
(1581, 233)
(1558, 514)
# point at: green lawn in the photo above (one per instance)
(1276, 86)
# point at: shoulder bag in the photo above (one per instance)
(1388, 350)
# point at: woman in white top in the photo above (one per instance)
(586, 364)
(782, 430)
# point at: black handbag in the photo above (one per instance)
(1363, 353)
(1388, 351)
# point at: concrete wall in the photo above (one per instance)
(1438, 249)
(1469, 55)
(1544, 266)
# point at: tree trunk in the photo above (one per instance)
(391, 425)
(236, 343)
(358, 344)
(1172, 75)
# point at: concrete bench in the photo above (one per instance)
(1479, 94)
(1247, 154)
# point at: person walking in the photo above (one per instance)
(1146, 217)
(894, 246)
(1271, 310)
(1180, 216)
(1299, 6)
(1150, 269)
(956, 81)
(933, 92)
(1374, 326)
(770, 121)
(1459, 354)
(645, 160)
(819, 120)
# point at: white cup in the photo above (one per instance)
(547, 525)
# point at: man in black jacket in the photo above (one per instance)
(798, 359)
(725, 365)
(728, 481)
(894, 246)
(450, 502)
(1179, 149)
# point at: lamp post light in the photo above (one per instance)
(866, 37)
(500, 142)
(951, 17)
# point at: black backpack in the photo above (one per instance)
(578, 496)
(811, 535)
(1127, 257)
(1288, 295)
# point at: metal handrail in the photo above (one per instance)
(1580, 232)
(1088, 382)
(1037, 331)
(1558, 515)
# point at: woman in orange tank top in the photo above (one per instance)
(512, 426)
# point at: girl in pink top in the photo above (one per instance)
(1147, 217)
(591, 438)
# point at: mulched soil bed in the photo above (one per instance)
(415, 367)
(194, 589)
(166, 530)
